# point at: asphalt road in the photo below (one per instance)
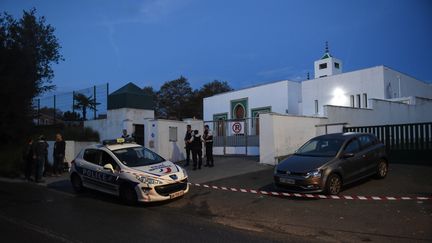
(36, 213)
(56, 214)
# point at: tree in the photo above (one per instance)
(71, 116)
(83, 103)
(208, 89)
(28, 48)
(173, 98)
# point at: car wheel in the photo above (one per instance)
(128, 195)
(333, 184)
(77, 183)
(382, 169)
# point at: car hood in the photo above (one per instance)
(160, 169)
(302, 164)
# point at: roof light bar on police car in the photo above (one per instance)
(118, 141)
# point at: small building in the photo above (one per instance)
(131, 109)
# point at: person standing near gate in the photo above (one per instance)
(188, 149)
(40, 154)
(196, 146)
(208, 141)
(58, 155)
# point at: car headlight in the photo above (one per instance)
(185, 173)
(315, 174)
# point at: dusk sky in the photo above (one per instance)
(243, 42)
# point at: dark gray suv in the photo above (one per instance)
(326, 163)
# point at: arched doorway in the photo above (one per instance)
(239, 111)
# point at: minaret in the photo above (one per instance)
(327, 65)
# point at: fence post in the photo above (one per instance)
(73, 102)
(94, 95)
(54, 112)
(246, 135)
(387, 137)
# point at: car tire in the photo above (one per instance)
(382, 169)
(128, 195)
(333, 184)
(77, 183)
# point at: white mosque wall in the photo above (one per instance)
(276, 95)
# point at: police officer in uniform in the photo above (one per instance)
(40, 154)
(196, 145)
(188, 148)
(208, 140)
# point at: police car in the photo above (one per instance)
(128, 170)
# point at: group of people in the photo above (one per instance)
(36, 158)
(193, 144)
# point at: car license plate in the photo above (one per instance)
(287, 181)
(176, 194)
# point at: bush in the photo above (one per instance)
(11, 162)
(76, 133)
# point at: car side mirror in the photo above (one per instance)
(347, 155)
(108, 167)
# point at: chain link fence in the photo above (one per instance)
(71, 107)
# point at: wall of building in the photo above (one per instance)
(272, 94)
(383, 112)
(399, 85)
(71, 151)
(117, 120)
(158, 140)
(283, 134)
(337, 89)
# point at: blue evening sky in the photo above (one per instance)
(244, 42)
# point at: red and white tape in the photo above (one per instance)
(308, 195)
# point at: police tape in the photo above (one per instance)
(313, 196)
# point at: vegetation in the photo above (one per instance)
(177, 100)
(28, 48)
(83, 103)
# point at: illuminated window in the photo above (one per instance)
(352, 100)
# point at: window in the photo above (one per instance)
(173, 134)
(336, 65)
(366, 141)
(137, 156)
(320, 147)
(358, 101)
(316, 106)
(92, 156)
(352, 147)
(323, 66)
(108, 159)
(352, 100)
(365, 100)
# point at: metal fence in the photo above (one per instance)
(69, 107)
(236, 137)
(403, 141)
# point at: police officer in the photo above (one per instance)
(188, 148)
(125, 134)
(208, 140)
(40, 154)
(196, 145)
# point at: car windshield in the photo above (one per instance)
(320, 147)
(137, 156)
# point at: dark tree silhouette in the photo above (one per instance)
(28, 48)
(83, 103)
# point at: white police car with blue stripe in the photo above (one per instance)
(128, 170)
